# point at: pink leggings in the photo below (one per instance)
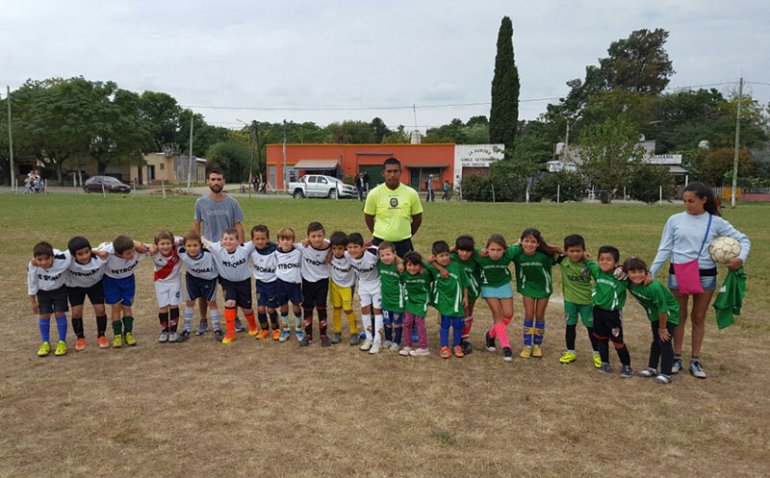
(498, 330)
(411, 320)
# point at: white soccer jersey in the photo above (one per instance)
(366, 269)
(233, 266)
(343, 273)
(51, 278)
(263, 263)
(167, 268)
(117, 267)
(314, 265)
(85, 275)
(288, 265)
(202, 266)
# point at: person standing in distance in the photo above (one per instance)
(393, 211)
(217, 211)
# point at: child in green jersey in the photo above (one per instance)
(463, 255)
(576, 289)
(533, 259)
(663, 313)
(392, 295)
(496, 290)
(416, 282)
(450, 299)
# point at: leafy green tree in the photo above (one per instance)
(715, 167)
(161, 113)
(565, 185)
(504, 114)
(646, 181)
(379, 129)
(638, 63)
(399, 136)
(454, 132)
(233, 156)
(350, 132)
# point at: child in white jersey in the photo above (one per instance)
(315, 281)
(343, 278)
(364, 262)
(84, 279)
(168, 283)
(201, 283)
(48, 294)
(263, 268)
(288, 264)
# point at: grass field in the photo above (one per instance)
(269, 409)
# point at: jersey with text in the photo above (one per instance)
(609, 293)
(263, 263)
(314, 265)
(202, 266)
(85, 275)
(533, 273)
(288, 265)
(48, 279)
(343, 273)
(449, 292)
(366, 268)
(233, 266)
(117, 267)
(390, 287)
(576, 281)
(416, 290)
(167, 268)
(656, 299)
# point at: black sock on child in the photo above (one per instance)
(77, 327)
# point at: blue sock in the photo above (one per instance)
(61, 326)
(444, 332)
(45, 329)
(215, 319)
(188, 316)
(528, 332)
(539, 332)
(387, 321)
(415, 335)
(285, 320)
(458, 324)
(398, 323)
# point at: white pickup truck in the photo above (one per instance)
(319, 186)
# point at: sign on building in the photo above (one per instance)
(475, 156)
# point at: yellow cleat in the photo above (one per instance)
(537, 351)
(569, 357)
(61, 348)
(130, 340)
(117, 342)
(45, 349)
(526, 353)
(597, 361)
(228, 339)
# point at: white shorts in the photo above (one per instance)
(370, 296)
(168, 293)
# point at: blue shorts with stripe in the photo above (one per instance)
(197, 287)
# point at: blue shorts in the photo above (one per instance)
(707, 282)
(504, 291)
(119, 291)
(288, 292)
(267, 294)
(197, 287)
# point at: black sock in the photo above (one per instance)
(604, 350)
(274, 320)
(77, 326)
(569, 336)
(262, 317)
(624, 356)
(101, 325)
(173, 321)
(322, 321)
(163, 317)
(594, 342)
(308, 321)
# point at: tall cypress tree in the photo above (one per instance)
(504, 116)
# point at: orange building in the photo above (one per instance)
(346, 160)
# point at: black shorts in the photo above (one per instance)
(197, 287)
(52, 300)
(608, 324)
(239, 291)
(288, 292)
(267, 294)
(95, 293)
(402, 247)
(315, 293)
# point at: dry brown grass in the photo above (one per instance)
(270, 409)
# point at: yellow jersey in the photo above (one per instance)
(393, 211)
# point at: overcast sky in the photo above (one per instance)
(280, 58)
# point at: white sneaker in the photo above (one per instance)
(163, 337)
(366, 345)
(387, 344)
(648, 372)
(376, 347)
(173, 337)
(394, 347)
(663, 379)
(405, 351)
(696, 369)
(419, 352)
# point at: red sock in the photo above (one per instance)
(230, 321)
(252, 321)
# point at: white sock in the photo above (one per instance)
(215, 319)
(378, 326)
(366, 319)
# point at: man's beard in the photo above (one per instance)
(216, 188)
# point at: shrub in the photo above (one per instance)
(572, 186)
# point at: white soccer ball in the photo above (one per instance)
(724, 248)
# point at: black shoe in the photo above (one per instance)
(507, 354)
(490, 343)
(239, 325)
(183, 336)
(305, 341)
(325, 341)
(467, 347)
(219, 335)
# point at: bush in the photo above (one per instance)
(480, 187)
(646, 182)
(573, 186)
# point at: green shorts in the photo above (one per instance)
(585, 311)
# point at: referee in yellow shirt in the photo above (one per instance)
(393, 211)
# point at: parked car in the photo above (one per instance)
(110, 184)
(320, 186)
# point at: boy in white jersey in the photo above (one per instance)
(84, 278)
(232, 263)
(315, 281)
(201, 283)
(288, 264)
(168, 283)
(263, 268)
(343, 278)
(48, 294)
(122, 256)
(364, 262)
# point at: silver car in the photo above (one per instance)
(320, 186)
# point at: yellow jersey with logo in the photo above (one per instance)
(393, 211)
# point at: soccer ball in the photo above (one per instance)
(724, 248)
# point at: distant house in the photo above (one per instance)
(169, 168)
(570, 160)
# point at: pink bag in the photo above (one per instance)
(688, 274)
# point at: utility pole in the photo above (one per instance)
(10, 139)
(737, 144)
(285, 186)
(190, 157)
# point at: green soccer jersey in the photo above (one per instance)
(533, 273)
(656, 299)
(576, 282)
(449, 292)
(609, 293)
(416, 289)
(390, 287)
(494, 273)
(471, 267)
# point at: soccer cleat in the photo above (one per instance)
(604, 368)
(130, 340)
(366, 345)
(253, 332)
(648, 372)
(677, 366)
(163, 337)
(325, 342)
(526, 352)
(80, 344)
(203, 327)
(386, 345)
(626, 372)
(239, 327)
(228, 339)
(305, 341)
(419, 353)
(459, 351)
(394, 347)
(467, 347)
(173, 337)
(490, 342)
(117, 342)
(444, 353)
(276, 334)
(537, 351)
(376, 347)
(507, 354)
(663, 379)
(335, 338)
(696, 370)
(263, 334)
(285, 334)
(597, 360)
(45, 349)
(102, 342)
(300, 334)
(219, 335)
(568, 357)
(355, 339)
(405, 351)
(183, 336)
(61, 348)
